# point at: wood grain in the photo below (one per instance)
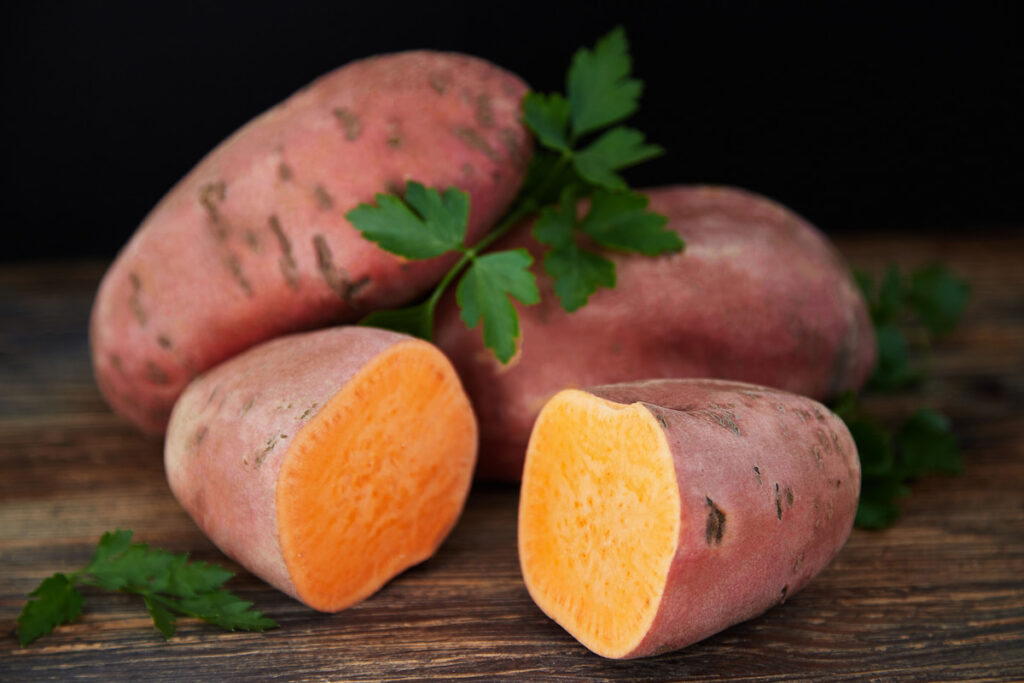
(938, 597)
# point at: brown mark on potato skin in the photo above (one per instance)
(287, 262)
(307, 412)
(115, 360)
(284, 171)
(394, 139)
(335, 277)
(251, 239)
(517, 151)
(836, 444)
(135, 302)
(249, 404)
(714, 530)
(200, 434)
(789, 497)
(210, 197)
(757, 473)
(783, 593)
(472, 139)
(723, 416)
(661, 421)
(440, 82)
(164, 341)
(156, 375)
(234, 266)
(350, 123)
(324, 201)
(271, 444)
(778, 502)
(826, 445)
(817, 456)
(484, 110)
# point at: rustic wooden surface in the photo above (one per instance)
(938, 597)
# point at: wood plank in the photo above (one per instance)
(940, 596)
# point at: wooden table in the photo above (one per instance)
(940, 596)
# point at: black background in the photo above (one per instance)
(860, 115)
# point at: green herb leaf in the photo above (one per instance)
(187, 579)
(417, 320)
(226, 610)
(600, 89)
(938, 297)
(56, 602)
(619, 148)
(167, 583)
(484, 295)
(889, 306)
(164, 621)
(111, 543)
(893, 370)
(621, 221)
(548, 118)
(423, 225)
(577, 274)
(927, 446)
(549, 174)
(876, 509)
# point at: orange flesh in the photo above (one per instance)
(373, 483)
(599, 519)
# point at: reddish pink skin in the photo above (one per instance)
(767, 552)
(759, 295)
(221, 454)
(237, 252)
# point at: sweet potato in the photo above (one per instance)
(759, 295)
(253, 242)
(657, 513)
(325, 462)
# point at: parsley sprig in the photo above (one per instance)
(169, 585)
(909, 314)
(580, 157)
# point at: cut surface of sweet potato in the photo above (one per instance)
(599, 519)
(374, 482)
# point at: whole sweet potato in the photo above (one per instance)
(654, 514)
(253, 242)
(325, 462)
(759, 295)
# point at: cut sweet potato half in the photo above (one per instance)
(329, 462)
(654, 514)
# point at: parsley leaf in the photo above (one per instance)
(56, 602)
(484, 294)
(168, 585)
(423, 225)
(617, 149)
(621, 221)
(548, 117)
(417, 320)
(164, 620)
(938, 297)
(927, 446)
(600, 89)
(577, 274)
